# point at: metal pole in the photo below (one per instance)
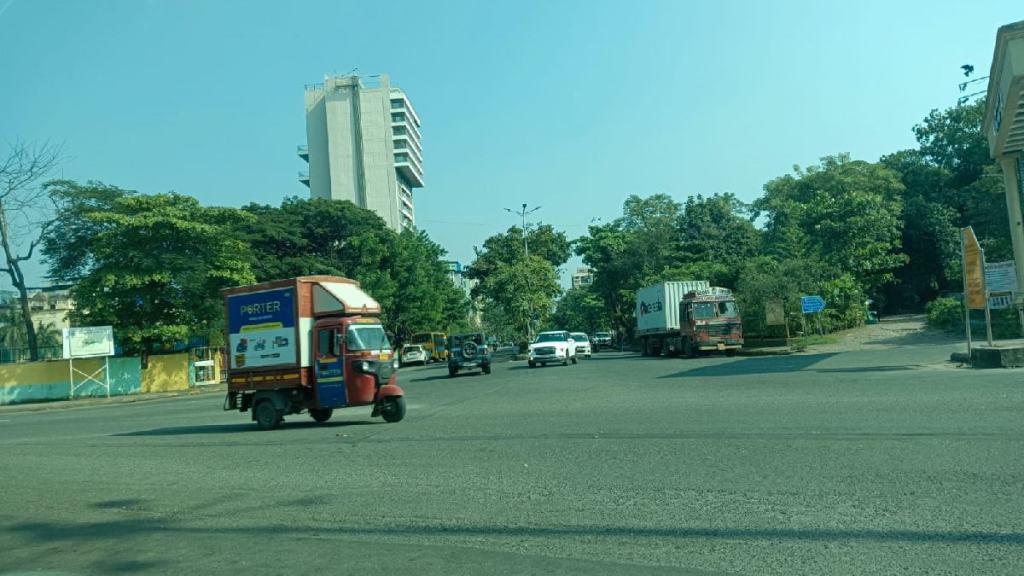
(988, 321)
(967, 309)
(984, 290)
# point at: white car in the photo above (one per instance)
(582, 343)
(555, 346)
(413, 354)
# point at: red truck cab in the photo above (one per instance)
(709, 320)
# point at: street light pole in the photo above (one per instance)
(526, 252)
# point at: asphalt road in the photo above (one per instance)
(878, 462)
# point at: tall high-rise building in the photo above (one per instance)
(363, 145)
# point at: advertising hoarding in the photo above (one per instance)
(261, 329)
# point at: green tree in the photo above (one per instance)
(425, 298)
(845, 213)
(520, 288)
(580, 310)
(153, 266)
(953, 141)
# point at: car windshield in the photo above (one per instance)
(602, 335)
(408, 349)
(367, 337)
(552, 337)
(579, 337)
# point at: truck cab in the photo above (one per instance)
(709, 320)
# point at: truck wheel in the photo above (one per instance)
(487, 369)
(730, 352)
(392, 409)
(321, 414)
(689, 349)
(644, 349)
(266, 415)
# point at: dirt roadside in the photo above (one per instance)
(890, 332)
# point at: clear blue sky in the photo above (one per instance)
(570, 105)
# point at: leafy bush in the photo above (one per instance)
(945, 314)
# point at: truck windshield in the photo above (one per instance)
(703, 310)
(367, 337)
(728, 309)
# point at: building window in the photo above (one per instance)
(398, 130)
(401, 157)
(398, 117)
(397, 104)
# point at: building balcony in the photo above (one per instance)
(304, 178)
(303, 151)
(411, 172)
(409, 126)
(404, 143)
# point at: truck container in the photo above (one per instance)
(312, 343)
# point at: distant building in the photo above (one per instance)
(363, 145)
(583, 276)
(457, 273)
(49, 305)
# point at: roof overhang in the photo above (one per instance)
(1004, 109)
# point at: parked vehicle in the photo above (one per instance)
(434, 343)
(603, 341)
(687, 317)
(553, 346)
(468, 352)
(312, 343)
(412, 354)
(583, 347)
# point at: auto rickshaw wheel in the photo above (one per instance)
(266, 415)
(392, 409)
(321, 415)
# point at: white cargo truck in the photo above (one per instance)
(657, 315)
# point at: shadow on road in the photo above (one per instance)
(760, 365)
(236, 428)
(54, 532)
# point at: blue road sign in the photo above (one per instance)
(811, 304)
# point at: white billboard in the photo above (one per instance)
(88, 341)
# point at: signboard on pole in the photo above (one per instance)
(811, 304)
(1000, 301)
(974, 271)
(774, 313)
(1001, 276)
(88, 341)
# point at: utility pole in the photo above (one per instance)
(526, 251)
